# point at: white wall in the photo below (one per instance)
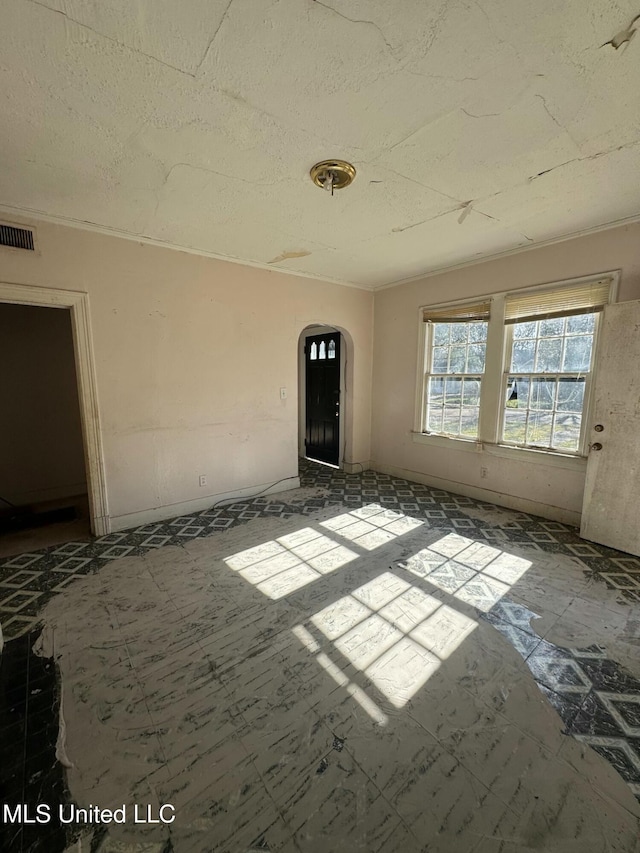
(190, 355)
(42, 455)
(536, 486)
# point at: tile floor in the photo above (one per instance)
(361, 664)
(36, 538)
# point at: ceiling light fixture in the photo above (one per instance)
(332, 175)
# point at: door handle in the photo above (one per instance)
(596, 446)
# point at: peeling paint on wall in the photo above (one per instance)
(466, 210)
(624, 36)
(286, 256)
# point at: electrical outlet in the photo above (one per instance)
(202, 480)
(484, 472)
(283, 393)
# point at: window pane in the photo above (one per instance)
(518, 392)
(542, 394)
(441, 333)
(457, 359)
(453, 399)
(435, 420)
(577, 356)
(549, 355)
(525, 330)
(471, 392)
(440, 359)
(523, 355)
(543, 405)
(453, 406)
(566, 432)
(552, 327)
(475, 358)
(435, 402)
(515, 426)
(434, 423)
(436, 391)
(570, 395)
(453, 392)
(470, 408)
(451, 423)
(554, 408)
(477, 332)
(458, 332)
(581, 325)
(469, 424)
(539, 429)
(459, 356)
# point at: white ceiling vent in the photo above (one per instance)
(16, 238)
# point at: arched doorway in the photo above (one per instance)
(325, 360)
(322, 397)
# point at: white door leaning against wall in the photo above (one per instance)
(611, 506)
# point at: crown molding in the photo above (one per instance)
(38, 215)
(31, 214)
(618, 223)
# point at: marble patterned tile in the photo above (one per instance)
(482, 592)
(451, 576)
(523, 642)
(556, 669)
(242, 701)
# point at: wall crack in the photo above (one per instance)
(479, 115)
(111, 39)
(220, 174)
(213, 37)
(358, 21)
(441, 77)
(548, 111)
(595, 156)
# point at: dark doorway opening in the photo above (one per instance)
(322, 398)
(43, 484)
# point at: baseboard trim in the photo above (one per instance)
(162, 513)
(553, 513)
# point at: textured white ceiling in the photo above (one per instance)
(476, 126)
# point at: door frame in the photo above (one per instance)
(336, 366)
(345, 423)
(78, 304)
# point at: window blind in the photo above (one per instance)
(582, 298)
(457, 314)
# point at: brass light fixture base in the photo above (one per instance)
(336, 173)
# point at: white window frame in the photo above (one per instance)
(493, 386)
(430, 374)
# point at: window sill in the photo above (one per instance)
(538, 457)
(505, 451)
(468, 444)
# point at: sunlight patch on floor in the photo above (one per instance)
(282, 566)
(392, 631)
(371, 526)
(332, 669)
(478, 574)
